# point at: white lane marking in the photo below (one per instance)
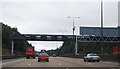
(11, 62)
(29, 64)
(60, 64)
(67, 68)
(90, 63)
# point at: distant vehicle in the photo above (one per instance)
(116, 49)
(30, 52)
(54, 55)
(43, 56)
(91, 57)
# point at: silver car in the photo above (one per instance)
(91, 57)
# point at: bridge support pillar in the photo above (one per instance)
(12, 49)
(76, 47)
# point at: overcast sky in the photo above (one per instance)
(50, 16)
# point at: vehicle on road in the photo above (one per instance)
(43, 56)
(116, 49)
(91, 57)
(54, 55)
(30, 52)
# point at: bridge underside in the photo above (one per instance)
(44, 37)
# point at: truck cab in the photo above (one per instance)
(30, 52)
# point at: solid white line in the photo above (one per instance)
(12, 61)
(29, 64)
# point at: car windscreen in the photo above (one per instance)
(43, 54)
(93, 55)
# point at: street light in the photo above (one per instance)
(101, 26)
(73, 24)
(12, 48)
(73, 34)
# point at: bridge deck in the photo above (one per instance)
(44, 37)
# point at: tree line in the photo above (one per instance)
(68, 48)
(7, 34)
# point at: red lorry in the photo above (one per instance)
(30, 52)
(116, 49)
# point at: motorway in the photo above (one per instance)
(56, 62)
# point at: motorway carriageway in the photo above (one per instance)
(58, 62)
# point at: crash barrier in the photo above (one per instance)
(110, 57)
(12, 57)
(104, 57)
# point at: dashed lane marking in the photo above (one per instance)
(67, 68)
(90, 63)
(29, 64)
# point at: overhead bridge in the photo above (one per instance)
(76, 38)
(80, 38)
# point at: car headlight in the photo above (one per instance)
(98, 57)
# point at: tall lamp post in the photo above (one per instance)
(101, 26)
(12, 48)
(73, 33)
(73, 24)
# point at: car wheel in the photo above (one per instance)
(47, 60)
(34, 57)
(88, 60)
(27, 57)
(38, 60)
(98, 60)
(84, 60)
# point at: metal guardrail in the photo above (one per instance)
(12, 57)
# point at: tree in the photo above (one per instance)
(7, 35)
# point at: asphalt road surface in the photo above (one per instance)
(57, 62)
